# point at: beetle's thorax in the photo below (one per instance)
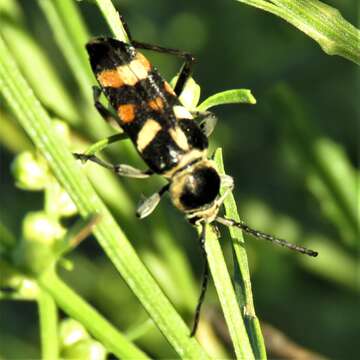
(194, 189)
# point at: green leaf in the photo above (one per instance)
(319, 21)
(235, 96)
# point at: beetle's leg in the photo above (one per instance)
(100, 145)
(118, 169)
(227, 183)
(109, 117)
(105, 113)
(207, 121)
(205, 280)
(147, 206)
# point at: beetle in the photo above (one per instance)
(171, 140)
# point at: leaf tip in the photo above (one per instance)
(252, 99)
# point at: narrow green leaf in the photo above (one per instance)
(235, 96)
(112, 17)
(321, 22)
(242, 273)
(226, 293)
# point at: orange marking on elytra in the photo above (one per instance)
(144, 61)
(127, 112)
(168, 88)
(110, 78)
(156, 104)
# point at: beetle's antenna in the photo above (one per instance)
(260, 235)
(205, 280)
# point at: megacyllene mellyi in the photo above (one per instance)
(171, 140)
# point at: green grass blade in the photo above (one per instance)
(242, 273)
(37, 124)
(321, 22)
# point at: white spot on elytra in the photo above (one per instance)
(147, 133)
(179, 138)
(133, 72)
(181, 112)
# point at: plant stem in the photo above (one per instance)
(48, 326)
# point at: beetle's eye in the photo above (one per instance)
(201, 187)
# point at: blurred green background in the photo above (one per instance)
(293, 156)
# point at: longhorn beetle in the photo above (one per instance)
(172, 141)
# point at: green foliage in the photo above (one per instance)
(313, 174)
